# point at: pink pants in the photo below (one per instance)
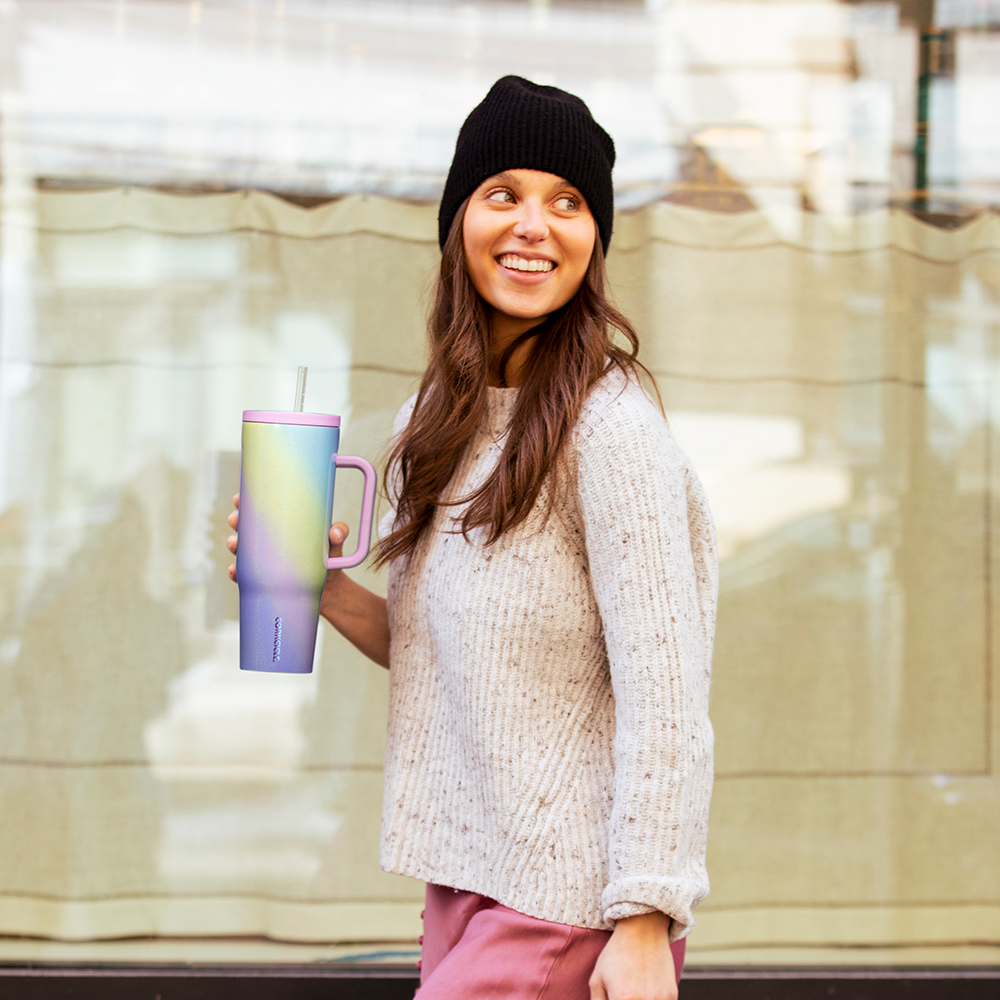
(476, 949)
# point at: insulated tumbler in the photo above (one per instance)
(287, 474)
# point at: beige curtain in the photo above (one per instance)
(835, 383)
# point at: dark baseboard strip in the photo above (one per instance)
(57, 981)
(830, 973)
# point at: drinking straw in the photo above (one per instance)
(300, 390)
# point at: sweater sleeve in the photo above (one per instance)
(651, 549)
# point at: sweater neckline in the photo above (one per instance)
(500, 407)
(496, 393)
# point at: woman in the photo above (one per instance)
(552, 588)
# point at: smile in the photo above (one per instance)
(516, 263)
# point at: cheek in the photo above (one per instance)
(472, 265)
(477, 244)
(486, 282)
(583, 248)
(477, 273)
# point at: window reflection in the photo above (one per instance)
(827, 357)
(752, 468)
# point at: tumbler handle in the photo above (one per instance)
(367, 511)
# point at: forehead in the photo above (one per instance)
(522, 177)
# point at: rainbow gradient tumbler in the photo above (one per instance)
(287, 477)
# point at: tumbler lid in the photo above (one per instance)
(290, 417)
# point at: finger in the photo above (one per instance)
(597, 991)
(234, 520)
(338, 534)
(232, 573)
(231, 543)
(236, 500)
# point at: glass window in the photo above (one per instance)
(198, 198)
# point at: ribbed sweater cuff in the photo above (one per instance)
(630, 897)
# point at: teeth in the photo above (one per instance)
(516, 263)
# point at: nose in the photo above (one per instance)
(531, 224)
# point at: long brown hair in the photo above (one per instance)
(572, 349)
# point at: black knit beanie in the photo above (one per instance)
(522, 125)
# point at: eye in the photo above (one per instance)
(504, 195)
(567, 203)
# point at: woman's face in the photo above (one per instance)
(528, 240)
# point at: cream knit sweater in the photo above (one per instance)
(549, 743)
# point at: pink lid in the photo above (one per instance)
(290, 417)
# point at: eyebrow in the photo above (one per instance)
(505, 175)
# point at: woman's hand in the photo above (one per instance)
(354, 611)
(336, 579)
(636, 963)
(234, 521)
(338, 532)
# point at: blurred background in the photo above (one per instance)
(198, 197)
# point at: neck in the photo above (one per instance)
(511, 344)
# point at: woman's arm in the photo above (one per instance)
(650, 547)
(651, 552)
(354, 611)
(359, 615)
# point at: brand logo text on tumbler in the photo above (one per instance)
(277, 641)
